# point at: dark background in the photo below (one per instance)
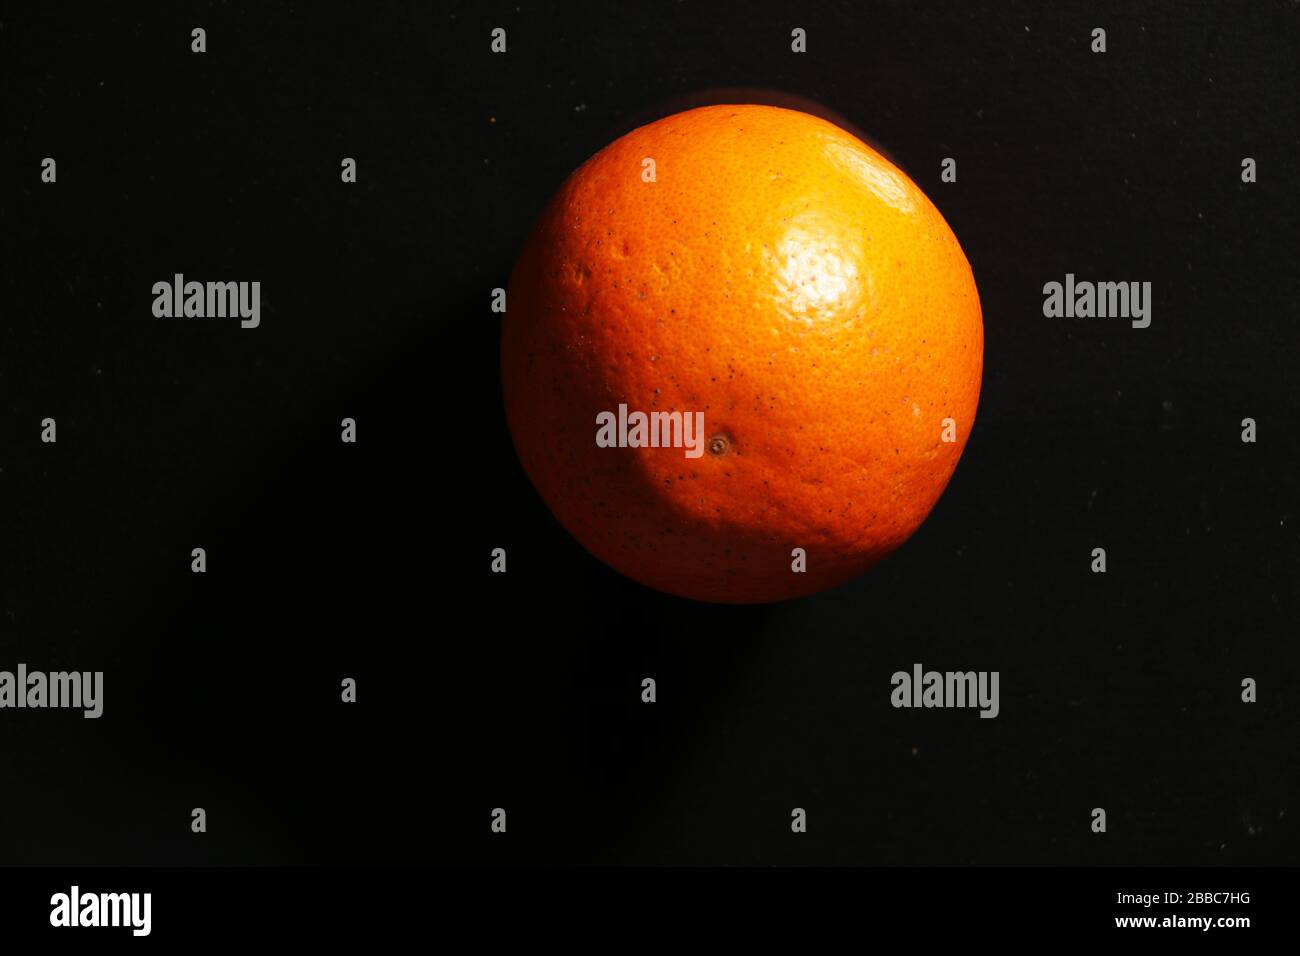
(523, 691)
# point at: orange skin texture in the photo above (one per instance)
(795, 286)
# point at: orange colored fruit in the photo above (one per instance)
(778, 275)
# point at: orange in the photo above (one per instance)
(769, 270)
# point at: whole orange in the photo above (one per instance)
(769, 270)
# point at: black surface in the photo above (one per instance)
(522, 691)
